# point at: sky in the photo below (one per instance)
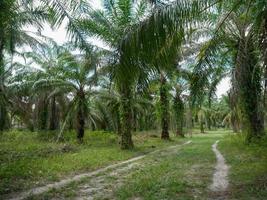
(223, 87)
(60, 37)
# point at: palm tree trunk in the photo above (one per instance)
(134, 120)
(264, 53)
(179, 129)
(202, 127)
(3, 110)
(118, 123)
(53, 125)
(209, 121)
(249, 85)
(179, 113)
(80, 125)
(235, 121)
(3, 118)
(42, 113)
(126, 117)
(80, 117)
(189, 120)
(164, 103)
(233, 99)
(265, 95)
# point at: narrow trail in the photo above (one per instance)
(97, 181)
(220, 177)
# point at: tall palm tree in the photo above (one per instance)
(239, 44)
(111, 25)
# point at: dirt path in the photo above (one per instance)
(97, 180)
(220, 177)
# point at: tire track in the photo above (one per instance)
(115, 167)
(220, 180)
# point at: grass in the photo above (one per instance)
(182, 174)
(248, 172)
(32, 159)
(185, 174)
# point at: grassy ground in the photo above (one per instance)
(31, 159)
(248, 172)
(188, 174)
(184, 174)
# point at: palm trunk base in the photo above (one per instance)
(80, 135)
(127, 142)
(165, 135)
(180, 133)
(202, 128)
(126, 120)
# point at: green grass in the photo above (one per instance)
(248, 172)
(183, 175)
(29, 159)
(164, 175)
(33, 159)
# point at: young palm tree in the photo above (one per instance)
(21, 98)
(14, 16)
(75, 77)
(48, 58)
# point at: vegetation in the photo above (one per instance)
(67, 81)
(33, 159)
(159, 68)
(178, 176)
(244, 159)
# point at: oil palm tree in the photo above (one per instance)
(14, 16)
(47, 58)
(111, 101)
(22, 101)
(111, 25)
(240, 45)
(168, 19)
(75, 78)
